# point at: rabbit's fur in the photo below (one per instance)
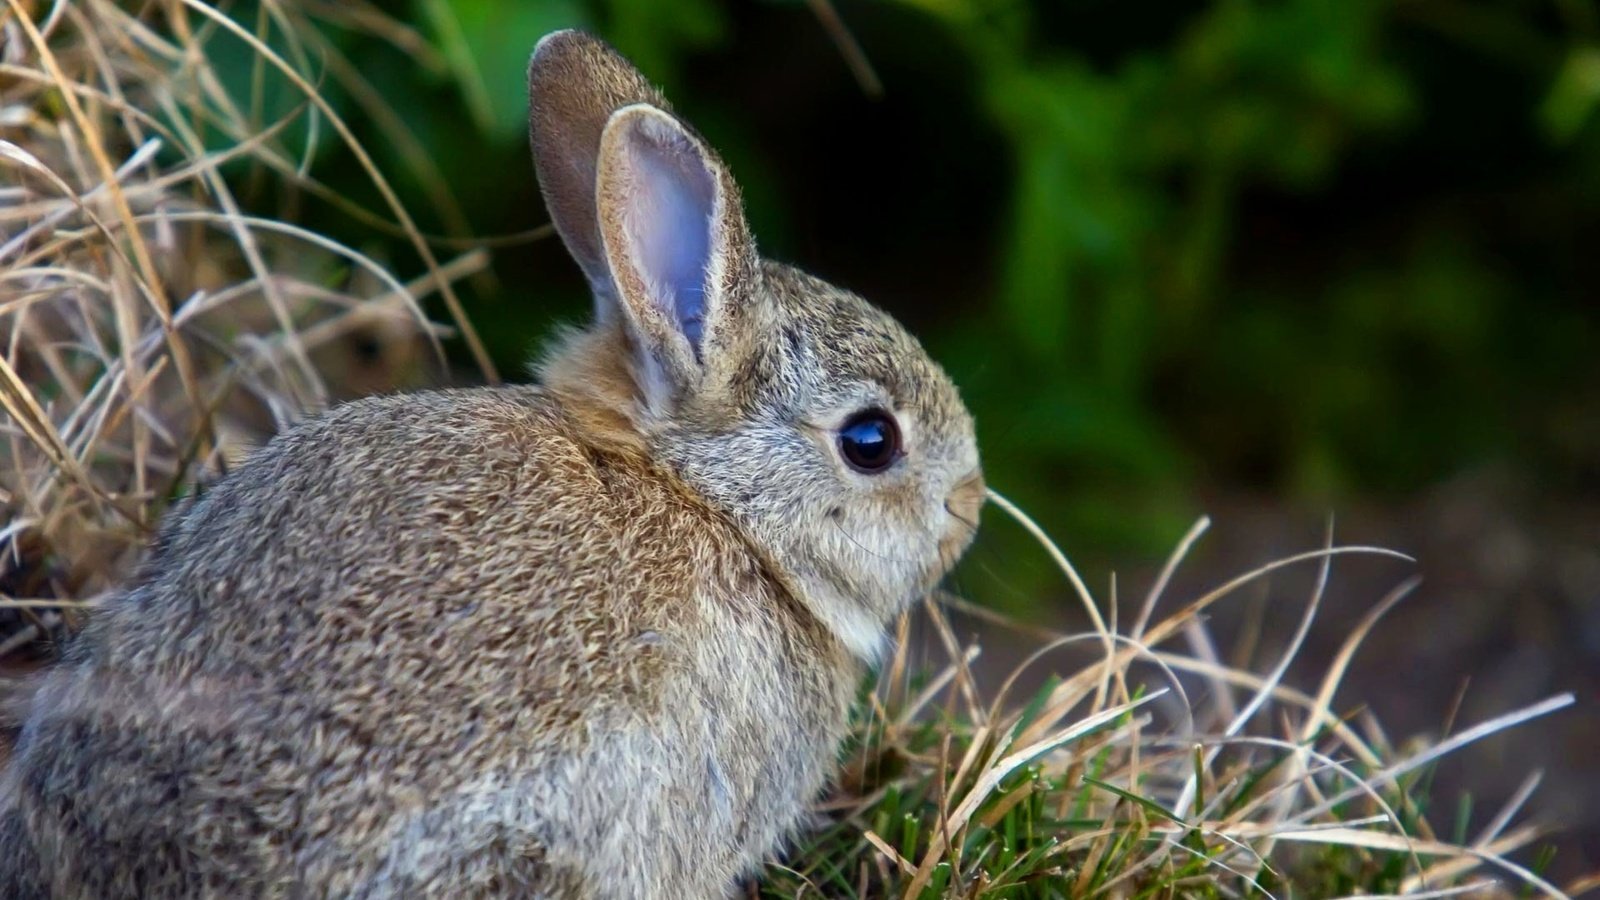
(596, 638)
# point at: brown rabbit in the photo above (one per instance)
(595, 638)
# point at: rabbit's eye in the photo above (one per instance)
(870, 441)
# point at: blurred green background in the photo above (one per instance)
(1318, 249)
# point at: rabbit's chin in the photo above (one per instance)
(861, 629)
(863, 626)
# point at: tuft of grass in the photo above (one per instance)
(152, 330)
(1149, 772)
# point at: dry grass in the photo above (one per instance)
(154, 331)
(1149, 772)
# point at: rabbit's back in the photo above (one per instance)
(429, 641)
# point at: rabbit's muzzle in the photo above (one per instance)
(962, 503)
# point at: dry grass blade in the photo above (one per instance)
(1159, 588)
(889, 853)
(849, 47)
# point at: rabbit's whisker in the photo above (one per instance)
(868, 550)
(971, 524)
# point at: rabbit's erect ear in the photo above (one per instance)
(575, 84)
(679, 250)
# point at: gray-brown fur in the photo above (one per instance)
(588, 639)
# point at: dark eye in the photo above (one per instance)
(870, 441)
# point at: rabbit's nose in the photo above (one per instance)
(966, 498)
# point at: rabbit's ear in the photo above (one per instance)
(575, 83)
(679, 251)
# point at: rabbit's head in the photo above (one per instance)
(799, 409)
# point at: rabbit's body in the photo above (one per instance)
(597, 638)
(417, 676)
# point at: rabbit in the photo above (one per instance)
(596, 637)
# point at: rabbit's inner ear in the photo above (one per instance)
(668, 219)
(669, 231)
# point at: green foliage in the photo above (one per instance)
(486, 43)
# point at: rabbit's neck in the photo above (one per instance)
(587, 372)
